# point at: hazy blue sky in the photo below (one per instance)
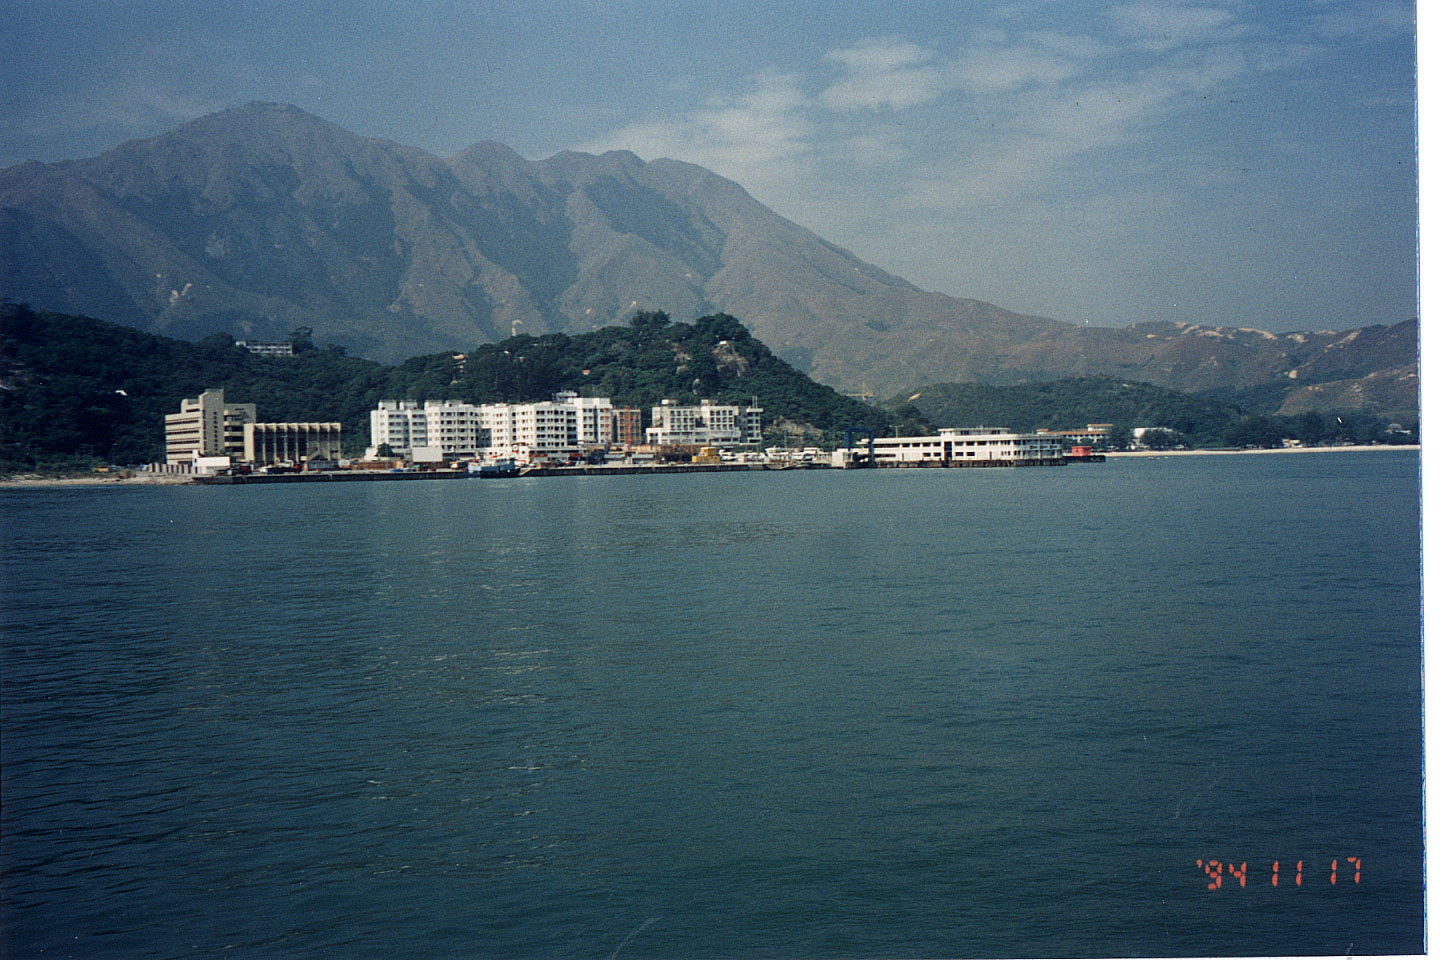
(1244, 163)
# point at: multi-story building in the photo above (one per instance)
(207, 426)
(594, 418)
(267, 443)
(709, 423)
(449, 429)
(525, 431)
(968, 445)
(453, 429)
(400, 425)
(628, 429)
(531, 431)
(1094, 434)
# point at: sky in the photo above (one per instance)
(1240, 163)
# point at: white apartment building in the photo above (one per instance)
(520, 431)
(400, 424)
(709, 423)
(454, 429)
(968, 445)
(526, 432)
(207, 426)
(594, 418)
(447, 428)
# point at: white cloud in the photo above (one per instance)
(1159, 27)
(755, 138)
(995, 69)
(1060, 135)
(873, 150)
(1366, 21)
(1068, 45)
(883, 72)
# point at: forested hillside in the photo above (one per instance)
(75, 390)
(638, 365)
(1219, 418)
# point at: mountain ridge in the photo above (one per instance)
(262, 218)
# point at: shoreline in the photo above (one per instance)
(163, 480)
(1225, 452)
(182, 479)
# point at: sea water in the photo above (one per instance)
(906, 713)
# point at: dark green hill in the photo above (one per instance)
(642, 363)
(74, 389)
(79, 389)
(1231, 418)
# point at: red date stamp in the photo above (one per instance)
(1216, 872)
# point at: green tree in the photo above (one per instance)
(302, 339)
(1311, 429)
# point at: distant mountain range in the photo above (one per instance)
(264, 218)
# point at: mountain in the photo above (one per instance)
(263, 218)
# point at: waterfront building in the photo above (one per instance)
(399, 424)
(453, 429)
(968, 445)
(207, 426)
(445, 428)
(1094, 434)
(566, 424)
(594, 418)
(709, 423)
(628, 429)
(209, 434)
(526, 432)
(267, 443)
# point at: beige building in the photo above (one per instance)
(709, 423)
(291, 442)
(207, 426)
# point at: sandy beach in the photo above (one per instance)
(99, 480)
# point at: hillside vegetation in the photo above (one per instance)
(75, 390)
(1228, 418)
